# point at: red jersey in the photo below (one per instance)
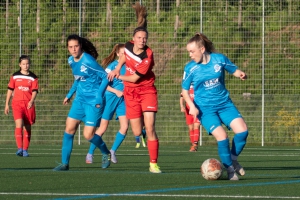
(141, 64)
(23, 85)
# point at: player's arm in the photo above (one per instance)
(8, 96)
(181, 102)
(70, 93)
(115, 91)
(193, 110)
(116, 71)
(132, 78)
(33, 96)
(240, 74)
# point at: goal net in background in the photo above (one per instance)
(261, 37)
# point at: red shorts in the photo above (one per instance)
(139, 100)
(190, 118)
(20, 111)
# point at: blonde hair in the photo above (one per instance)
(202, 41)
(112, 56)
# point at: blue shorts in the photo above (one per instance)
(89, 114)
(113, 104)
(212, 117)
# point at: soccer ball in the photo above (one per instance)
(211, 169)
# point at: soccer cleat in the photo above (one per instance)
(19, 152)
(238, 168)
(105, 160)
(25, 153)
(231, 174)
(113, 156)
(144, 142)
(61, 167)
(154, 168)
(89, 158)
(193, 148)
(137, 145)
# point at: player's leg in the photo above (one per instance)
(239, 127)
(211, 119)
(196, 128)
(233, 120)
(224, 151)
(76, 114)
(26, 139)
(19, 136)
(144, 137)
(120, 136)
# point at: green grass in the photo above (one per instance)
(271, 172)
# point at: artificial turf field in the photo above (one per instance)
(271, 173)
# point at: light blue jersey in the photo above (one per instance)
(90, 80)
(113, 103)
(116, 83)
(208, 80)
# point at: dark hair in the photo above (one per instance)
(85, 44)
(24, 57)
(113, 54)
(202, 41)
(141, 15)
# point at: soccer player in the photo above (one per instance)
(114, 103)
(23, 86)
(139, 92)
(90, 84)
(212, 104)
(193, 124)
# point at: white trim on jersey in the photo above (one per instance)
(23, 77)
(134, 57)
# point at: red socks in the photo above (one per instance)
(196, 136)
(26, 139)
(153, 150)
(19, 137)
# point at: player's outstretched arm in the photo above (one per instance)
(240, 74)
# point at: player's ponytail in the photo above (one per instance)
(141, 15)
(112, 56)
(202, 41)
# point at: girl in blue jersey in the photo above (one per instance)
(90, 84)
(114, 103)
(212, 104)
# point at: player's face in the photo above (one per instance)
(24, 65)
(195, 52)
(74, 48)
(140, 39)
(121, 52)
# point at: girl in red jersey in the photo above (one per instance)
(23, 86)
(140, 93)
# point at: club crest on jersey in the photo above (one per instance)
(217, 68)
(83, 69)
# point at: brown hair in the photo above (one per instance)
(85, 44)
(112, 56)
(141, 15)
(202, 41)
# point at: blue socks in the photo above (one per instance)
(67, 147)
(224, 152)
(137, 139)
(98, 142)
(238, 143)
(92, 148)
(118, 141)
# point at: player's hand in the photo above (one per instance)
(194, 111)
(6, 110)
(98, 105)
(182, 109)
(30, 103)
(66, 101)
(243, 76)
(114, 73)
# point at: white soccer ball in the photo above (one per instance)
(211, 169)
